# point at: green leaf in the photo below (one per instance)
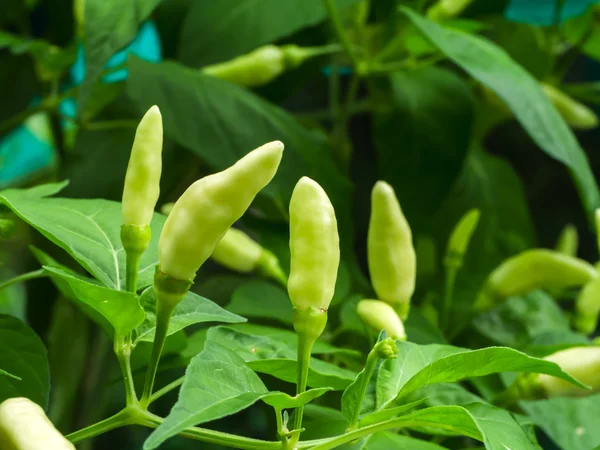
(572, 423)
(262, 300)
(89, 230)
(281, 400)
(221, 122)
(120, 308)
(217, 383)
(215, 32)
(276, 357)
(192, 309)
(9, 375)
(385, 414)
(519, 319)
(420, 366)
(23, 355)
(109, 26)
(490, 65)
(387, 441)
(422, 142)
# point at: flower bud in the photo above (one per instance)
(447, 9)
(314, 247)
(386, 349)
(576, 114)
(391, 255)
(381, 316)
(25, 426)
(567, 242)
(208, 208)
(142, 180)
(461, 237)
(582, 363)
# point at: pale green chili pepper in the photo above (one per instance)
(461, 237)
(141, 190)
(576, 114)
(381, 316)
(447, 9)
(25, 426)
(195, 225)
(568, 241)
(391, 255)
(208, 208)
(239, 252)
(582, 363)
(587, 307)
(315, 257)
(534, 269)
(264, 64)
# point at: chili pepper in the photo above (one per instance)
(391, 255)
(208, 208)
(381, 316)
(576, 114)
(25, 426)
(142, 180)
(582, 363)
(568, 241)
(446, 9)
(239, 252)
(264, 64)
(461, 237)
(314, 246)
(534, 269)
(587, 307)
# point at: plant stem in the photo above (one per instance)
(168, 388)
(449, 282)
(368, 371)
(120, 419)
(131, 272)
(40, 273)
(304, 349)
(163, 319)
(340, 32)
(122, 347)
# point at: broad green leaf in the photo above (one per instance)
(192, 309)
(420, 366)
(262, 300)
(221, 122)
(420, 331)
(422, 142)
(215, 32)
(120, 308)
(322, 422)
(217, 383)
(572, 423)
(23, 355)
(274, 356)
(68, 347)
(490, 65)
(13, 298)
(387, 441)
(9, 375)
(281, 400)
(520, 319)
(109, 26)
(385, 414)
(89, 230)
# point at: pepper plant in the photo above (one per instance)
(382, 271)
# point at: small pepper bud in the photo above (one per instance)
(582, 363)
(576, 114)
(587, 307)
(460, 238)
(25, 426)
(381, 316)
(446, 9)
(239, 252)
(142, 180)
(386, 349)
(568, 241)
(391, 255)
(531, 270)
(208, 208)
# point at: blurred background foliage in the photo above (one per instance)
(397, 100)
